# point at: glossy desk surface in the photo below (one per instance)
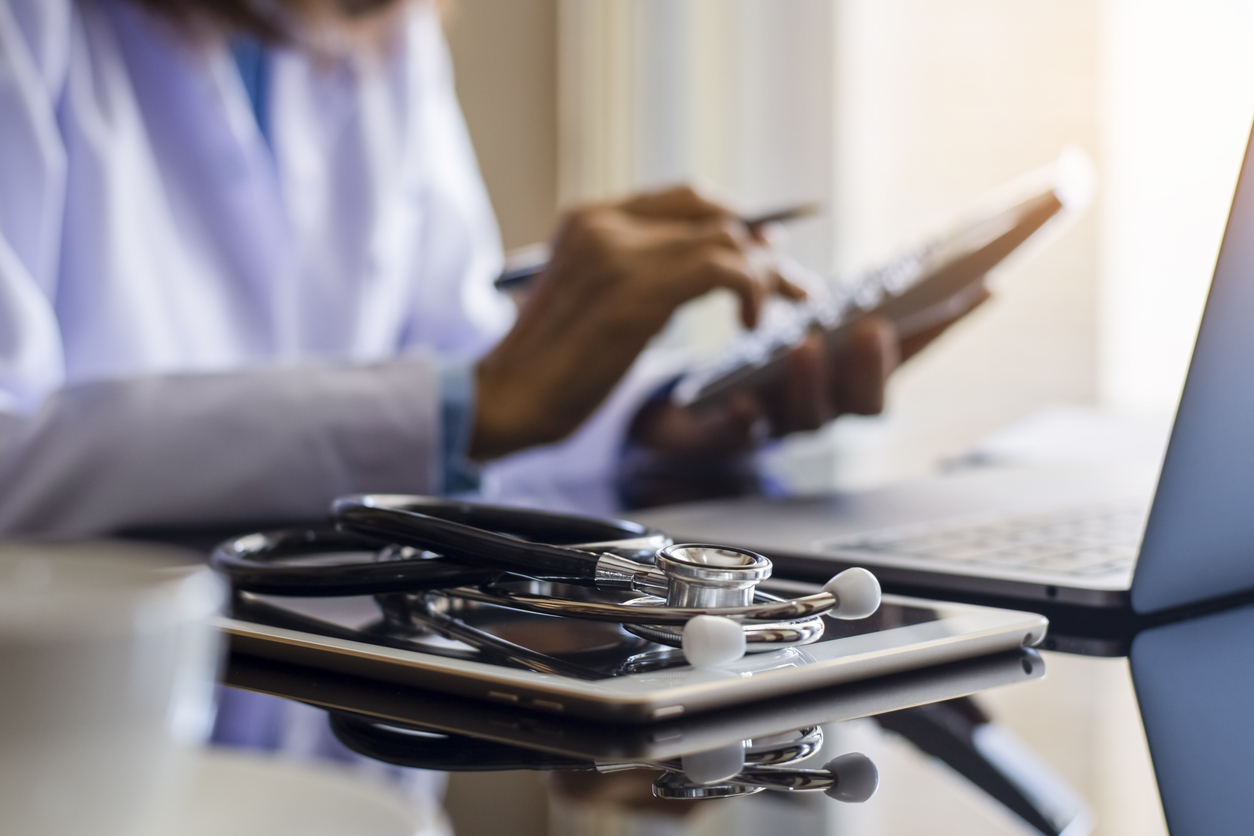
(1066, 747)
(1080, 717)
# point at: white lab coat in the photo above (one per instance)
(196, 327)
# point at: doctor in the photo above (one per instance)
(246, 262)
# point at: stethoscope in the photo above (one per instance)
(426, 552)
(743, 768)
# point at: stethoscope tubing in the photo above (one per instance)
(547, 526)
(467, 544)
(471, 563)
(258, 563)
(261, 562)
(488, 535)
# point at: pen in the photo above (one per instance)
(524, 263)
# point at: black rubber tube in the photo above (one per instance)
(260, 563)
(444, 753)
(539, 526)
(468, 544)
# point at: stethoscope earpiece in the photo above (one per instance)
(851, 778)
(714, 766)
(857, 779)
(711, 640)
(857, 594)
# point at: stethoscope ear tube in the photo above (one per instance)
(443, 752)
(263, 563)
(464, 543)
(528, 523)
(258, 563)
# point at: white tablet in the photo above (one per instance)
(608, 674)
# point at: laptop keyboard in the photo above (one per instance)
(1083, 541)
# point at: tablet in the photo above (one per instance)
(924, 288)
(607, 673)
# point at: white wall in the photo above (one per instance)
(733, 95)
(505, 62)
(938, 102)
(1178, 94)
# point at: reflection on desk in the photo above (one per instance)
(1194, 681)
(717, 755)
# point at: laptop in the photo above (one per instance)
(1083, 538)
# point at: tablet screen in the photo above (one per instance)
(583, 649)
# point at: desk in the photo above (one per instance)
(1191, 680)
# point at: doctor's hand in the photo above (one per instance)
(617, 273)
(814, 390)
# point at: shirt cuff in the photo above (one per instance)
(457, 421)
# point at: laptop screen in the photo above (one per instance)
(1199, 541)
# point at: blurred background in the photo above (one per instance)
(896, 115)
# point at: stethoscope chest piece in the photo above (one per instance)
(701, 575)
(715, 578)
